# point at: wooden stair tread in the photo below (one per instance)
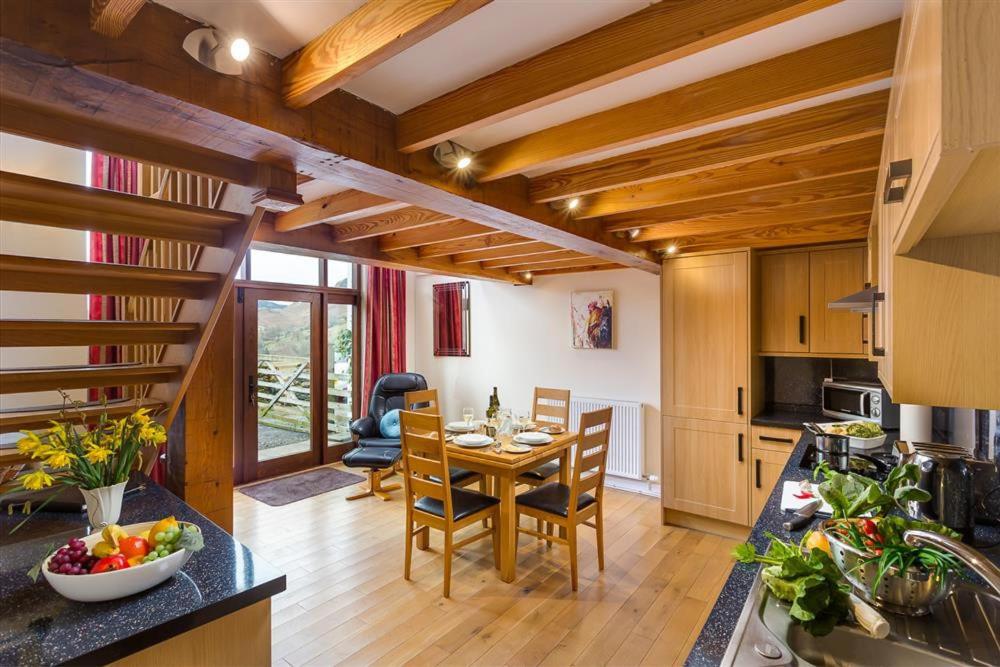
(39, 418)
(41, 333)
(44, 202)
(35, 274)
(17, 380)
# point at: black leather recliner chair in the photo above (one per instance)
(374, 452)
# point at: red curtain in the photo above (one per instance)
(111, 173)
(385, 327)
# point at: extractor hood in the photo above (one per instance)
(859, 302)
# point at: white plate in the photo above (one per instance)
(460, 427)
(473, 440)
(120, 583)
(516, 449)
(855, 442)
(533, 438)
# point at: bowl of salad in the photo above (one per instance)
(864, 435)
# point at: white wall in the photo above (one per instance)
(521, 338)
(35, 158)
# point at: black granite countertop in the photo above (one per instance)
(721, 623)
(786, 415)
(40, 627)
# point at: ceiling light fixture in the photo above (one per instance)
(633, 233)
(453, 156)
(672, 248)
(573, 204)
(527, 275)
(463, 162)
(239, 49)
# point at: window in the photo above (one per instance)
(280, 267)
(339, 274)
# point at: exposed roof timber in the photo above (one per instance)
(658, 34)
(32, 120)
(809, 211)
(824, 162)
(562, 264)
(781, 195)
(533, 258)
(370, 35)
(441, 232)
(402, 220)
(337, 207)
(498, 240)
(809, 233)
(316, 241)
(503, 252)
(338, 138)
(838, 64)
(576, 269)
(111, 17)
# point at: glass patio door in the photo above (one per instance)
(283, 381)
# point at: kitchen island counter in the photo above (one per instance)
(222, 581)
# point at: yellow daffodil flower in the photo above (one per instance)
(36, 480)
(60, 459)
(98, 455)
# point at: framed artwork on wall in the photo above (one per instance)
(452, 324)
(592, 319)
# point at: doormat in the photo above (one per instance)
(278, 492)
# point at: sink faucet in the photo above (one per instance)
(972, 558)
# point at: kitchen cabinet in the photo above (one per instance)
(705, 468)
(705, 336)
(795, 290)
(784, 302)
(832, 275)
(770, 448)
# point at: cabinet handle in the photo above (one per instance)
(252, 388)
(739, 400)
(768, 438)
(864, 328)
(900, 170)
(802, 329)
(739, 447)
(756, 465)
(876, 297)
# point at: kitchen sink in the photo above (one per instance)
(962, 630)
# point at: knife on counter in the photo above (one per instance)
(802, 515)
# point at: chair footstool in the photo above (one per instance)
(375, 487)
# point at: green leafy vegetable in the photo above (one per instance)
(808, 580)
(864, 430)
(851, 495)
(190, 538)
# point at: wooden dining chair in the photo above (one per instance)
(570, 506)
(426, 401)
(431, 500)
(549, 407)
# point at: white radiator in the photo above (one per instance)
(625, 450)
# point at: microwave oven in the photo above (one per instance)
(849, 399)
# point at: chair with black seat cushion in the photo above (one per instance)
(432, 501)
(549, 407)
(375, 453)
(570, 506)
(426, 402)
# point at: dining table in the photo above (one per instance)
(504, 467)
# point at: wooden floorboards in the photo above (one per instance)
(347, 602)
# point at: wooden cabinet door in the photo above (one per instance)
(705, 355)
(766, 467)
(784, 302)
(833, 274)
(705, 467)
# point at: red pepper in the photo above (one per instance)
(804, 495)
(110, 564)
(869, 527)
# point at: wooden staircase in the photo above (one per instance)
(191, 258)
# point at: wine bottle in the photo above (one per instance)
(494, 405)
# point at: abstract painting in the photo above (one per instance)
(592, 317)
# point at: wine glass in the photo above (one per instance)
(525, 420)
(467, 415)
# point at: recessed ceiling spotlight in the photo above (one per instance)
(527, 275)
(672, 248)
(239, 49)
(453, 156)
(573, 203)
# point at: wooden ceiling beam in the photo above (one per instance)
(336, 207)
(650, 37)
(502, 252)
(848, 158)
(562, 264)
(441, 232)
(767, 198)
(317, 242)
(402, 220)
(828, 124)
(533, 258)
(49, 55)
(497, 240)
(575, 269)
(111, 17)
(810, 211)
(373, 33)
(809, 233)
(845, 62)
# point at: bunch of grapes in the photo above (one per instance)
(166, 544)
(72, 559)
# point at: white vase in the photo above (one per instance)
(104, 504)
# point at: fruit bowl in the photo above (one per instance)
(119, 583)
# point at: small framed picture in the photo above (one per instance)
(592, 316)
